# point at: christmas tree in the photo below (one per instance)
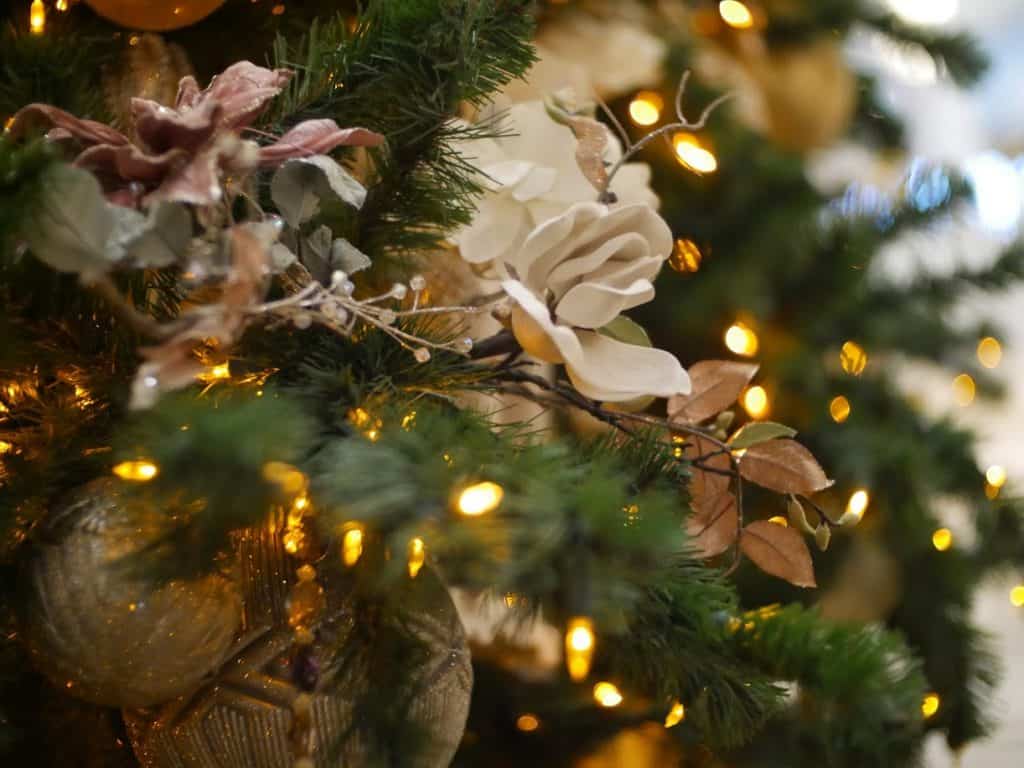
(325, 429)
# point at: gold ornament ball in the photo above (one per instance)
(809, 93)
(105, 634)
(393, 685)
(154, 15)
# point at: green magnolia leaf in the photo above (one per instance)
(822, 536)
(299, 185)
(627, 331)
(798, 517)
(759, 432)
(73, 224)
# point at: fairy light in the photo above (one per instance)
(964, 390)
(1017, 596)
(136, 471)
(579, 647)
(857, 505)
(527, 723)
(693, 155)
(409, 421)
(930, 705)
(779, 520)
(219, 372)
(480, 499)
(62, 5)
(290, 480)
(996, 476)
(678, 446)
(755, 402)
(741, 339)
(352, 546)
(736, 14)
(632, 512)
(990, 352)
(675, 716)
(5, 447)
(37, 17)
(607, 694)
(293, 540)
(359, 417)
(839, 409)
(645, 109)
(417, 556)
(853, 358)
(942, 539)
(686, 256)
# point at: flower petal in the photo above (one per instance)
(161, 128)
(537, 182)
(87, 131)
(243, 90)
(593, 305)
(498, 225)
(316, 137)
(128, 163)
(196, 182)
(534, 329)
(611, 371)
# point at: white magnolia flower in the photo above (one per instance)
(533, 176)
(573, 275)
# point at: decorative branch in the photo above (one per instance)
(683, 124)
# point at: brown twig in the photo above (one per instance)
(616, 419)
(104, 287)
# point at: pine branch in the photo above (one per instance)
(404, 72)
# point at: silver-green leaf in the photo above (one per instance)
(73, 223)
(299, 185)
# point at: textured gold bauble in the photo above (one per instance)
(101, 632)
(154, 15)
(392, 689)
(810, 93)
(150, 69)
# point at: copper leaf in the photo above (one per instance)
(784, 466)
(778, 551)
(716, 385)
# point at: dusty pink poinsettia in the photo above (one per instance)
(183, 152)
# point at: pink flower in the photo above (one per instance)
(182, 152)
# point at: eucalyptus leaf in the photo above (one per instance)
(759, 432)
(347, 257)
(322, 255)
(73, 223)
(281, 257)
(299, 185)
(158, 239)
(316, 254)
